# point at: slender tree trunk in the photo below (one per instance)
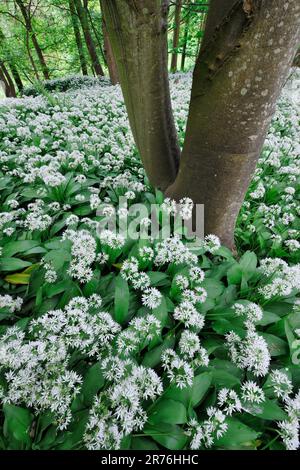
(82, 15)
(186, 34)
(111, 63)
(31, 33)
(10, 90)
(82, 59)
(138, 34)
(244, 60)
(16, 75)
(176, 35)
(34, 68)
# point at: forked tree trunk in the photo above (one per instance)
(176, 35)
(82, 15)
(111, 63)
(74, 18)
(245, 57)
(138, 34)
(31, 34)
(243, 63)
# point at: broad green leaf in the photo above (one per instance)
(20, 246)
(153, 358)
(92, 383)
(248, 263)
(121, 300)
(170, 436)
(13, 264)
(276, 346)
(142, 443)
(17, 423)
(18, 278)
(268, 410)
(201, 384)
(167, 411)
(213, 287)
(237, 436)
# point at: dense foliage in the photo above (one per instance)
(114, 343)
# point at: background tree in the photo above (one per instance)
(245, 57)
(176, 32)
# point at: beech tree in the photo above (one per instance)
(244, 59)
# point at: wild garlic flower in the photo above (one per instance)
(252, 393)
(289, 432)
(250, 353)
(282, 385)
(207, 432)
(151, 298)
(10, 303)
(187, 313)
(178, 371)
(229, 401)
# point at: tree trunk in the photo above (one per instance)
(244, 60)
(16, 76)
(237, 80)
(82, 15)
(111, 63)
(176, 35)
(138, 33)
(31, 33)
(186, 34)
(10, 90)
(74, 18)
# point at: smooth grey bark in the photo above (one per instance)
(176, 35)
(243, 63)
(74, 18)
(83, 18)
(244, 60)
(138, 34)
(30, 32)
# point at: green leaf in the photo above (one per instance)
(158, 278)
(169, 436)
(237, 436)
(269, 410)
(201, 384)
(168, 411)
(121, 300)
(153, 358)
(276, 346)
(248, 263)
(213, 287)
(92, 383)
(235, 274)
(20, 246)
(17, 423)
(13, 264)
(142, 443)
(161, 312)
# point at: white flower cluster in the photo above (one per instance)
(282, 279)
(250, 353)
(10, 303)
(36, 370)
(119, 411)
